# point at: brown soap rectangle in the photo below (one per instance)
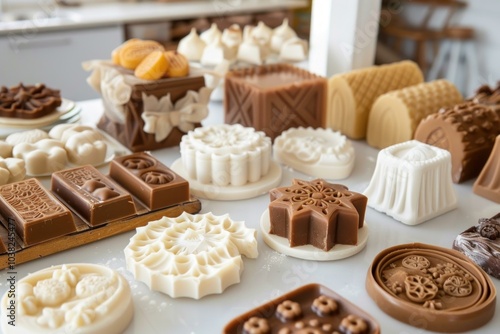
(36, 213)
(92, 195)
(274, 98)
(130, 131)
(311, 308)
(149, 180)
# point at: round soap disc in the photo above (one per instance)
(228, 193)
(309, 252)
(70, 298)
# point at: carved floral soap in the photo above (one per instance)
(71, 298)
(316, 213)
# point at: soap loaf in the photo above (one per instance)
(395, 115)
(351, 95)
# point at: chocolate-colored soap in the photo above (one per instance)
(28, 102)
(149, 180)
(311, 308)
(36, 213)
(468, 131)
(274, 98)
(430, 287)
(481, 244)
(95, 197)
(317, 213)
(488, 96)
(130, 131)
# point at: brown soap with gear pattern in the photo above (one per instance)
(37, 215)
(311, 308)
(95, 197)
(153, 183)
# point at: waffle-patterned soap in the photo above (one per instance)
(351, 95)
(395, 115)
(468, 131)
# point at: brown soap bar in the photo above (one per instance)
(488, 182)
(481, 244)
(28, 102)
(316, 213)
(274, 98)
(351, 95)
(440, 285)
(36, 213)
(311, 308)
(96, 198)
(149, 180)
(468, 131)
(130, 132)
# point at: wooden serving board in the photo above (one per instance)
(85, 234)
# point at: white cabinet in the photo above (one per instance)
(55, 58)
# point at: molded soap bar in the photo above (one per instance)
(36, 213)
(468, 131)
(440, 285)
(149, 180)
(311, 308)
(75, 298)
(395, 115)
(92, 195)
(351, 95)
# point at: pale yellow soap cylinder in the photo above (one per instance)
(351, 95)
(395, 115)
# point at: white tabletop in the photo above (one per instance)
(273, 274)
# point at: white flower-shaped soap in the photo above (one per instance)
(84, 144)
(72, 298)
(11, 170)
(210, 35)
(191, 46)
(43, 157)
(226, 154)
(191, 255)
(322, 153)
(280, 35)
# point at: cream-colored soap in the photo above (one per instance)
(190, 255)
(395, 115)
(351, 95)
(78, 298)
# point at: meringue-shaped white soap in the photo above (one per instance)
(191, 46)
(262, 34)
(43, 157)
(251, 52)
(11, 170)
(294, 49)
(232, 36)
(281, 34)
(214, 53)
(210, 35)
(5, 149)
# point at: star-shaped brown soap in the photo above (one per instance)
(316, 212)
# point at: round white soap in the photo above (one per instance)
(71, 298)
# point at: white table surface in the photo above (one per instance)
(273, 274)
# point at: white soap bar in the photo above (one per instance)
(322, 153)
(191, 255)
(72, 298)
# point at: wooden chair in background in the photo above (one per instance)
(396, 31)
